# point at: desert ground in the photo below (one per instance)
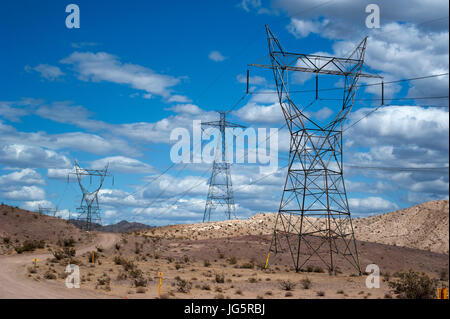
(213, 260)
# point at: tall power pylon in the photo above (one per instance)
(220, 191)
(89, 210)
(313, 220)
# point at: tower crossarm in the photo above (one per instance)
(330, 66)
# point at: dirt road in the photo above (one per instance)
(14, 283)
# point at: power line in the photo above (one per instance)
(402, 169)
(361, 85)
(395, 99)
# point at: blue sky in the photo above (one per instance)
(113, 90)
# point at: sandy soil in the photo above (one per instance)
(231, 268)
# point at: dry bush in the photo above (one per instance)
(49, 275)
(306, 283)
(321, 293)
(249, 265)
(220, 278)
(30, 245)
(206, 287)
(183, 285)
(414, 285)
(66, 242)
(140, 282)
(287, 285)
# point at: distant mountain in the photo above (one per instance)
(121, 227)
(124, 227)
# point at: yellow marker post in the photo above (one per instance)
(442, 293)
(35, 260)
(160, 274)
(267, 260)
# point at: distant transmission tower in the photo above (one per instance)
(47, 210)
(220, 191)
(89, 210)
(313, 220)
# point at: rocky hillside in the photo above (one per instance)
(425, 226)
(18, 226)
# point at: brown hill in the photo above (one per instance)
(424, 226)
(18, 225)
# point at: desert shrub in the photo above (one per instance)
(122, 275)
(140, 282)
(287, 285)
(340, 292)
(321, 293)
(6, 240)
(117, 246)
(206, 263)
(414, 285)
(66, 252)
(135, 273)
(30, 245)
(247, 265)
(252, 280)
(319, 269)
(309, 269)
(119, 260)
(49, 275)
(206, 287)
(103, 281)
(306, 283)
(288, 294)
(220, 278)
(99, 249)
(183, 285)
(232, 260)
(66, 242)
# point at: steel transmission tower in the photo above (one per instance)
(313, 221)
(89, 210)
(220, 191)
(47, 210)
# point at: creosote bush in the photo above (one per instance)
(287, 285)
(414, 285)
(30, 245)
(183, 285)
(220, 278)
(306, 283)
